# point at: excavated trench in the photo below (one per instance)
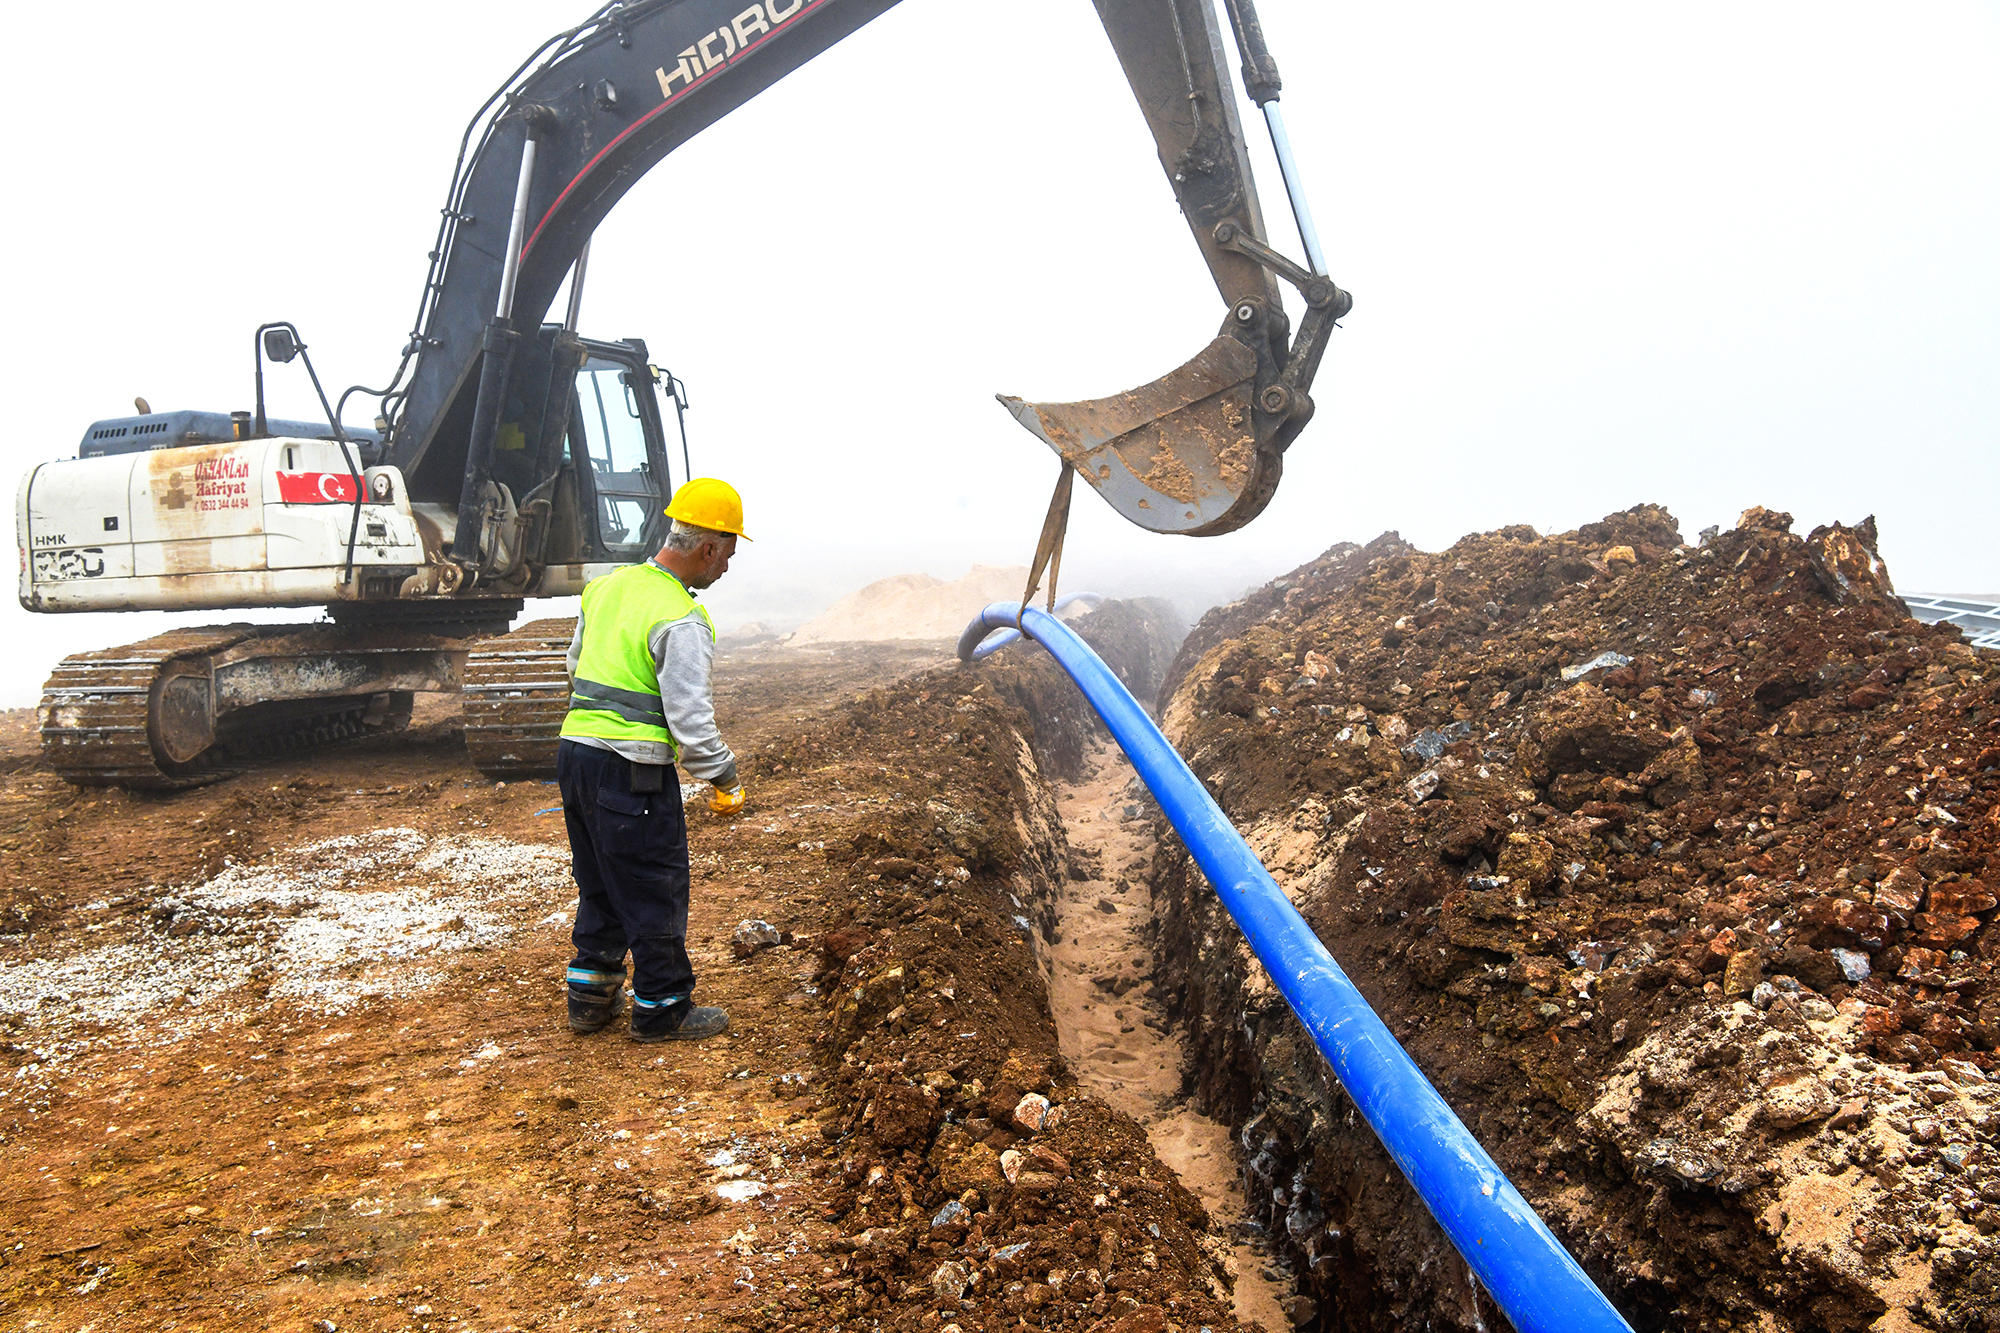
(1113, 1024)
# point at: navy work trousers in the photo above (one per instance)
(629, 854)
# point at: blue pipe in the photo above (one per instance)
(980, 642)
(1522, 1265)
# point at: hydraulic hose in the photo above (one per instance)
(1523, 1266)
(978, 642)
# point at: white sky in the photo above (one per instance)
(1709, 255)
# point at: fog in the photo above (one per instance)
(1705, 255)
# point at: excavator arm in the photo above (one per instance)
(1198, 451)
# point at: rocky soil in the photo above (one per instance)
(1674, 867)
(288, 1051)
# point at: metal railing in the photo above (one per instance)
(1976, 617)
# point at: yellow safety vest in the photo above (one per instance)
(616, 693)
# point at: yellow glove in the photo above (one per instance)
(727, 802)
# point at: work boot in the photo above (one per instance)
(595, 997)
(677, 1018)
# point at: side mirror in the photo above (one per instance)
(279, 344)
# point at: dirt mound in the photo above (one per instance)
(1674, 868)
(912, 606)
(974, 1174)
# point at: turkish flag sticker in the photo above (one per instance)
(315, 488)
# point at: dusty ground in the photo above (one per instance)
(288, 1052)
(289, 1048)
(1673, 866)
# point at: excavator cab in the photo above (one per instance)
(580, 451)
(615, 429)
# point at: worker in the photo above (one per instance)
(640, 707)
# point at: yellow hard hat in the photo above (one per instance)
(708, 503)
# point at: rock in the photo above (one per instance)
(1021, 1074)
(1036, 1182)
(952, 1213)
(1925, 966)
(1851, 1113)
(1869, 696)
(905, 1114)
(753, 937)
(1048, 1159)
(1960, 899)
(1763, 995)
(1901, 890)
(1604, 661)
(963, 1164)
(1584, 730)
(1428, 744)
(1853, 964)
(1759, 519)
(1010, 1164)
(1675, 773)
(1664, 1154)
(1538, 974)
(1791, 1104)
(1031, 1111)
(950, 1281)
(1868, 925)
(1106, 906)
(1742, 972)
(869, 1002)
(1299, 1309)
(1944, 929)
(1529, 859)
(1849, 567)
(1145, 1319)
(1716, 956)
(1621, 555)
(1423, 786)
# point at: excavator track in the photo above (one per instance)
(96, 712)
(199, 705)
(516, 693)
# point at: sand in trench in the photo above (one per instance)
(1113, 1034)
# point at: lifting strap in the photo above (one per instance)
(1048, 551)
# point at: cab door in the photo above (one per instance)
(617, 444)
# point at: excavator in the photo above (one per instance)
(512, 458)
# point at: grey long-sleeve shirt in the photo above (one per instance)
(683, 659)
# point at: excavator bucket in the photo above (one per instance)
(1178, 455)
